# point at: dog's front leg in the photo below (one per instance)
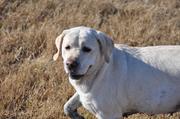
(70, 108)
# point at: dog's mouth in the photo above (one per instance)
(75, 76)
(78, 76)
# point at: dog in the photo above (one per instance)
(114, 79)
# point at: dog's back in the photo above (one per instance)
(163, 58)
(153, 76)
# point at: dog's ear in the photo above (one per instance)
(106, 45)
(58, 43)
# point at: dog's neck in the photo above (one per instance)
(86, 84)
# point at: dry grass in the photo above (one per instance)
(31, 84)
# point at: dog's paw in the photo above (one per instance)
(79, 117)
(75, 115)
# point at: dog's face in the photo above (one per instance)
(82, 50)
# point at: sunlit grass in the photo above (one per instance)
(31, 84)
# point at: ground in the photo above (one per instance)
(32, 85)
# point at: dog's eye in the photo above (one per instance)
(86, 49)
(68, 47)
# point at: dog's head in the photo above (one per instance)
(83, 49)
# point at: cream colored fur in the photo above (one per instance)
(117, 78)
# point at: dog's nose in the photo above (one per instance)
(72, 65)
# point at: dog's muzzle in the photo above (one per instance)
(72, 66)
(76, 76)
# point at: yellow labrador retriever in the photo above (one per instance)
(112, 80)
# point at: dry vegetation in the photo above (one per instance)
(32, 86)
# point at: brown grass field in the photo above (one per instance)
(32, 86)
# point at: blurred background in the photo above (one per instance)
(32, 86)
